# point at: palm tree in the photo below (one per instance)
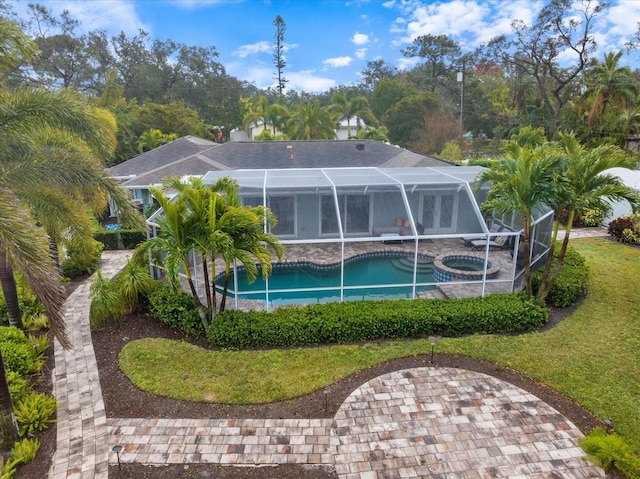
(249, 242)
(153, 138)
(277, 116)
(587, 185)
(524, 180)
(219, 226)
(171, 250)
(50, 155)
(258, 111)
(310, 121)
(609, 85)
(347, 108)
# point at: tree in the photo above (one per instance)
(532, 53)
(387, 93)
(15, 47)
(609, 86)
(51, 146)
(524, 180)
(171, 250)
(440, 54)
(348, 108)
(375, 72)
(279, 60)
(154, 138)
(51, 163)
(310, 121)
(586, 185)
(210, 222)
(409, 119)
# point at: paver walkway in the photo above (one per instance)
(426, 422)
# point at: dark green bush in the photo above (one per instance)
(82, 258)
(132, 238)
(108, 238)
(571, 280)
(19, 356)
(175, 309)
(371, 320)
(121, 238)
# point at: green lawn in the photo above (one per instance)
(593, 357)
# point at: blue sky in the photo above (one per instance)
(328, 42)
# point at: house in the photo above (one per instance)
(339, 203)
(192, 156)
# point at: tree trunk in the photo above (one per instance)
(552, 248)
(549, 281)
(10, 291)
(223, 301)
(8, 423)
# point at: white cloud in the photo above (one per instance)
(307, 81)
(338, 62)
(113, 16)
(361, 53)
(469, 22)
(360, 38)
(260, 47)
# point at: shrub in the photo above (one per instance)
(610, 450)
(108, 238)
(625, 229)
(83, 258)
(175, 309)
(571, 280)
(592, 217)
(29, 303)
(133, 284)
(36, 322)
(40, 344)
(106, 304)
(34, 413)
(25, 451)
(452, 152)
(18, 386)
(19, 356)
(371, 320)
(132, 238)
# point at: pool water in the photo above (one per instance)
(367, 277)
(464, 265)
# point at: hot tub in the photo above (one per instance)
(462, 266)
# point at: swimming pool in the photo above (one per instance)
(384, 275)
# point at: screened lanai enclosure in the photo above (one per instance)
(380, 233)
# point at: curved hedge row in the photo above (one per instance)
(371, 320)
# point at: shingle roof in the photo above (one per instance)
(194, 156)
(161, 157)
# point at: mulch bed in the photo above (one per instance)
(122, 399)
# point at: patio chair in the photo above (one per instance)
(495, 228)
(499, 242)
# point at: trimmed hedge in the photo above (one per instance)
(571, 281)
(112, 238)
(372, 320)
(176, 309)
